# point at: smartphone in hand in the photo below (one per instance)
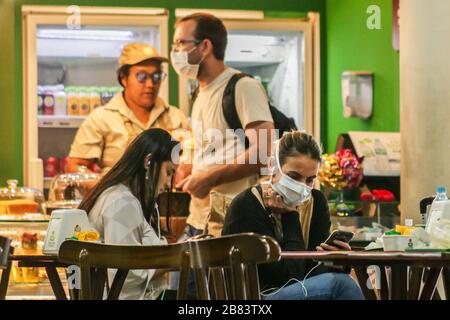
(344, 236)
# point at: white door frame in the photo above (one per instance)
(59, 15)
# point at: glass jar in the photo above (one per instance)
(68, 190)
(16, 201)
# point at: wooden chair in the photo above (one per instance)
(5, 265)
(226, 267)
(94, 259)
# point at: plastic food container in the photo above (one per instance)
(398, 242)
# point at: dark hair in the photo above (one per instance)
(211, 28)
(298, 143)
(130, 171)
(123, 71)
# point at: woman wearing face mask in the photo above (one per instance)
(122, 206)
(289, 210)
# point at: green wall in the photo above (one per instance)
(347, 44)
(10, 111)
(11, 125)
(352, 46)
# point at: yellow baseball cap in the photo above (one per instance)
(134, 53)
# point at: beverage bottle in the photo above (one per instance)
(84, 99)
(40, 101)
(48, 103)
(95, 99)
(73, 108)
(441, 194)
(51, 166)
(60, 101)
(103, 95)
(63, 163)
(437, 207)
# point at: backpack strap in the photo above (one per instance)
(229, 102)
(229, 105)
(194, 94)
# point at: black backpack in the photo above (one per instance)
(281, 121)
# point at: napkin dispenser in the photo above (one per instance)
(64, 224)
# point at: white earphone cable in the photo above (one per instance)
(157, 212)
(302, 283)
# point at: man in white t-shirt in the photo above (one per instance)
(220, 162)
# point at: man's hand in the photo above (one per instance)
(183, 171)
(73, 164)
(339, 246)
(199, 185)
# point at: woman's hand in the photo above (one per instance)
(339, 246)
(273, 200)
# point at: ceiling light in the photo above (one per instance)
(86, 34)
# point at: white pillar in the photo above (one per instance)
(424, 100)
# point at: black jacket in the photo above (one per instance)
(246, 214)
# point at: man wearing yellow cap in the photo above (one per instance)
(108, 130)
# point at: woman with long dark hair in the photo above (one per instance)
(122, 207)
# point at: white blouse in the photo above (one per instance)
(117, 215)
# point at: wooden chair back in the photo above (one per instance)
(5, 265)
(225, 268)
(95, 258)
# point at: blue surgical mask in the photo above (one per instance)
(293, 192)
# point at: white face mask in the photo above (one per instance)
(292, 191)
(180, 63)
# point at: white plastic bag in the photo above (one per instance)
(440, 234)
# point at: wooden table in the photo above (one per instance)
(50, 263)
(407, 271)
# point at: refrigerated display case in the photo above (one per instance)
(70, 69)
(281, 53)
(28, 234)
(23, 220)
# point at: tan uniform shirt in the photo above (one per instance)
(107, 131)
(208, 121)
